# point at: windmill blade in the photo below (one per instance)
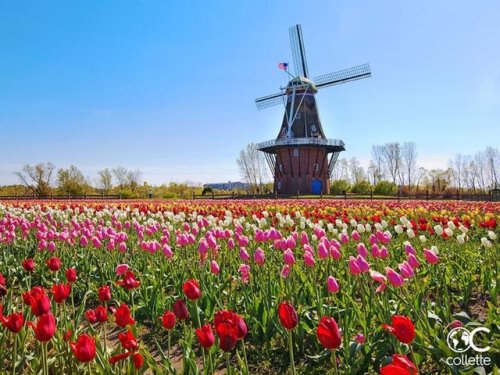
(343, 76)
(270, 100)
(298, 51)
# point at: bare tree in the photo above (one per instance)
(37, 178)
(409, 156)
(492, 157)
(421, 177)
(71, 181)
(392, 158)
(378, 162)
(479, 160)
(356, 171)
(458, 170)
(252, 167)
(104, 181)
(120, 174)
(133, 179)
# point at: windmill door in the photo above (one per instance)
(317, 186)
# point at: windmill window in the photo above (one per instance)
(316, 167)
(295, 152)
(281, 168)
(313, 127)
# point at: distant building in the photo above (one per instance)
(228, 185)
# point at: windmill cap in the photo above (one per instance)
(301, 84)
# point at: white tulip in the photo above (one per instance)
(384, 224)
(399, 229)
(410, 233)
(448, 232)
(360, 228)
(451, 225)
(435, 249)
(353, 223)
(492, 235)
(486, 243)
(438, 229)
(422, 238)
(461, 238)
(462, 229)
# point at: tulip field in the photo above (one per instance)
(247, 287)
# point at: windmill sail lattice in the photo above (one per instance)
(301, 158)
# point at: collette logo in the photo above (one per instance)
(460, 340)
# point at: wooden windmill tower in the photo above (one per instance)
(301, 158)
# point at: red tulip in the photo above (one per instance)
(128, 341)
(54, 263)
(180, 310)
(226, 326)
(168, 320)
(101, 314)
(45, 327)
(288, 315)
(400, 365)
(2, 280)
(192, 289)
(402, 327)
(71, 275)
(91, 316)
(122, 316)
(83, 348)
(138, 360)
(241, 327)
(119, 357)
(328, 333)
(205, 336)
(104, 293)
(13, 322)
(29, 265)
(129, 281)
(38, 300)
(67, 335)
(61, 292)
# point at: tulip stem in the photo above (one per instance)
(334, 360)
(244, 355)
(290, 349)
(228, 364)
(199, 326)
(168, 346)
(14, 355)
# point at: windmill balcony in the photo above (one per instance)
(331, 145)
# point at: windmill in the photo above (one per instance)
(301, 158)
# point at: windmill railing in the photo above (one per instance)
(277, 143)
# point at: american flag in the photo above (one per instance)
(283, 66)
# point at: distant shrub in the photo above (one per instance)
(385, 188)
(339, 187)
(207, 190)
(362, 187)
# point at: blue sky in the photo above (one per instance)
(168, 86)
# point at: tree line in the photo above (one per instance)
(394, 167)
(43, 180)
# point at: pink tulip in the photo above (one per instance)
(356, 236)
(259, 257)
(51, 246)
(230, 244)
(384, 253)
(214, 267)
(406, 270)
(244, 256)
(394, 278)
(309, 259)
(363, 265)
(285, 271)
(344, 238)
(203, 247)
(361, 249)
(323, 251)
(375, 250)
(409, 249)
(121, 269)
(353, 266)
(360, 338)
(335, 253)
(244, 270)
(167, 251)
(377, 276)
(122, 247)
(84, 241)
(381, 288)
(413, 261)
(431, 256)
(288, 257)
(332, 285)
(304, 239)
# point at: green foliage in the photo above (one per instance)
(340, 186)
(362, 187)
(385, 188)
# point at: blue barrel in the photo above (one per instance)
(317, 186)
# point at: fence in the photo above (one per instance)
(60, 197)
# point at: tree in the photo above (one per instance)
(458, 170)
(409, 156)
(378, 163)
(120, 174)
(133, 179)
(492, 157)
(340, 187)
(71, 181)
(356, 171)
(252, 167)
(392, 158)
(37, 178)
(104, 181)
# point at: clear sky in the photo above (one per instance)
(169, 86)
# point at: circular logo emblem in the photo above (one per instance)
(459, 339)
